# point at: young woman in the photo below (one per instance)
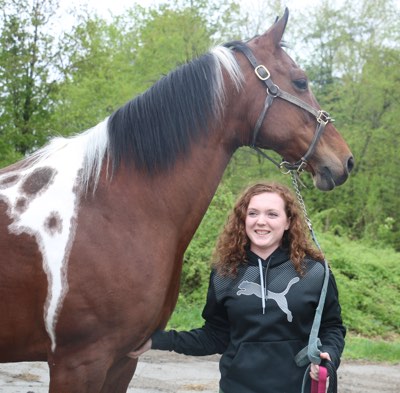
(263, 292)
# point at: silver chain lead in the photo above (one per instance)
(295, 175)
(295, 180)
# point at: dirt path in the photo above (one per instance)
(160, 372)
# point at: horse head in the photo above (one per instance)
(283, 113)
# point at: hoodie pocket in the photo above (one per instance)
(264, 367)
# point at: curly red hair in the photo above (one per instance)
(233, 242)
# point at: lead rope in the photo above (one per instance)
(311, 354)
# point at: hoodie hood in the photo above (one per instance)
(279, 256)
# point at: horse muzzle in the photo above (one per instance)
(327, 178)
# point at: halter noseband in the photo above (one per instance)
(274, 91)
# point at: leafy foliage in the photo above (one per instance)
(354, 72)
(98, 77)
(26, 85)
(368, 281)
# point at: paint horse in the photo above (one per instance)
(93, 228)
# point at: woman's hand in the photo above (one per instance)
(139, 351)
(314, 373)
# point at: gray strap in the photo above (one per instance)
(313, 352)
(310, 354)
(267, 104)
(301, 358)
(305, 377)
(297, 101)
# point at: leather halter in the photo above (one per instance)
(274, 91)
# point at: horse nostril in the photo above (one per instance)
(350, 164)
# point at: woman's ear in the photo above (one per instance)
(288, 223)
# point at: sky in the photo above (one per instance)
(116, 7)
(105, 8)
(119, 5)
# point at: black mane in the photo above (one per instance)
(154, 128)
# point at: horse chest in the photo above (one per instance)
(42, 202)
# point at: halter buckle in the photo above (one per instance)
(262, 72)
(324, 117)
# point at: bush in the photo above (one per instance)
(368, 280)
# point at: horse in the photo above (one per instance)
(93, 227)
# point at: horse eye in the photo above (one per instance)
(301, 84)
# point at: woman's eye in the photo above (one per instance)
(301, 84)
(252, 214)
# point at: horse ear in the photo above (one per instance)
(276, 31)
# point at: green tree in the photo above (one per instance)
(169, 37)
(26, 84)
(98, 75)
(355, 72)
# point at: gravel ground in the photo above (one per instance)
(161, 372)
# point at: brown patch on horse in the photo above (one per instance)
(8, 181)
(53, 223)
(38, 181)
(21, 205)
(77, 187)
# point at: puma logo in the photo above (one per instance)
(250, 288)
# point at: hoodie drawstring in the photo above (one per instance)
(262, 285)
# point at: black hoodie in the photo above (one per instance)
(260, 339)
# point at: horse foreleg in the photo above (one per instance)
(90, 372)
(77, 373)
(119, 376)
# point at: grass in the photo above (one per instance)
(187, 315)
(372, 350)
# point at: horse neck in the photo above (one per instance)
(182, 194)
(194, 181)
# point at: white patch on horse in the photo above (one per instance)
(250, 288)
(43, 200)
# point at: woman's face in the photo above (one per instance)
(266, 221)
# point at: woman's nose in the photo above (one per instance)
(261, 220)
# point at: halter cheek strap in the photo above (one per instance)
(273, 91)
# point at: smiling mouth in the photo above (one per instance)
(262, 232)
